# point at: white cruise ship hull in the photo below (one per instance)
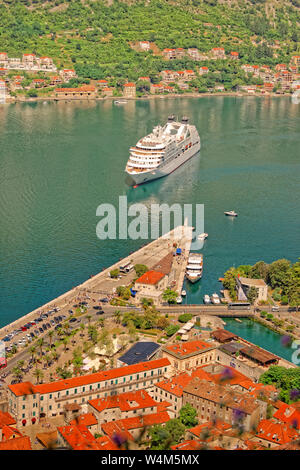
(164, 169)
(193, 279)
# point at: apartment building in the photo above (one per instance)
(218, 53)
(188, 355)
(123, 406)
(27, 402)
(129, 90)
(214, 401)
(82, 92)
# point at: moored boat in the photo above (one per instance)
(179, 299)
(215, 299)
(202, 236)
(231, 213)
(194, 267)
(183, 293)
(206, 299)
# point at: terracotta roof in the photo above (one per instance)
(6, 419)
(214, 429)
(288, 414)
(150, 277)
(176, 384)
(136, 400)
(130, 84)
(27, 388)
(9, 432)
(105, 443)
(78, 437)
(47, 439)
(182, 350)
(20, 443)
(123, 426)
(187, 445)
(86, 419)
(275, 432)
(219, 394)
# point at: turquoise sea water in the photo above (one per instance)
(260, 335)
(59, 161)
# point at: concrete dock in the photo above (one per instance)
(102, 285)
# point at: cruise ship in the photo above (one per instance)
(161, 152)
(194, 267)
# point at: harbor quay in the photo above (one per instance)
(102, 284)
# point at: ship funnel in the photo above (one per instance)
(171, 118)
(185, 120)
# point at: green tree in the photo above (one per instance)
(170, 296)
(188, 416)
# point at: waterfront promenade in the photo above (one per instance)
(103, 285)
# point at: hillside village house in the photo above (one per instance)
(27, 402)
(194, 53)
(184, 356)
(129, 90)
(67, 74)
(3, 58)
(107, 91)
(83, 92)
(243, 284)
(151, 285)
(145, 45)
(169, 54)
(218, 52)
(156, 88)
(295, 60)
(102, 83)
(234, 55)
(203, 70)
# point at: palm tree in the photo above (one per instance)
(117, 316)
(65, 342)
(40, 344)
(47, 359)
(89, 318)
(38, 374)
(66, 326)
(20, 364)
(17, 373)
(101, 322)
(82, 328)
(51, 334)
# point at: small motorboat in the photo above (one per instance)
(202, 236)
(206, 299)
(120, 102)
(231, 213)
(183, 293)
(215, 299)
(179, 299)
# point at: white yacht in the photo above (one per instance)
(206, 299)
(215, 299)
(194, 267)
(179, 299)
(161, 152)
(183, 293)
(231, 213)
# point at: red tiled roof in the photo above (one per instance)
(275, 432)
(27, 388)
(20, 443)
(10, 433)
(288, 414)
(150, 277)
(214, 429)
(78, 437)
(176, 384)
(87, 419)
(125, 425)
(6, 419)
(130, 84)
(105, 443)
(190, 347)
(187, 445)
(138, 399)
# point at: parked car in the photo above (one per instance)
(99, 312)
(41, 330)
